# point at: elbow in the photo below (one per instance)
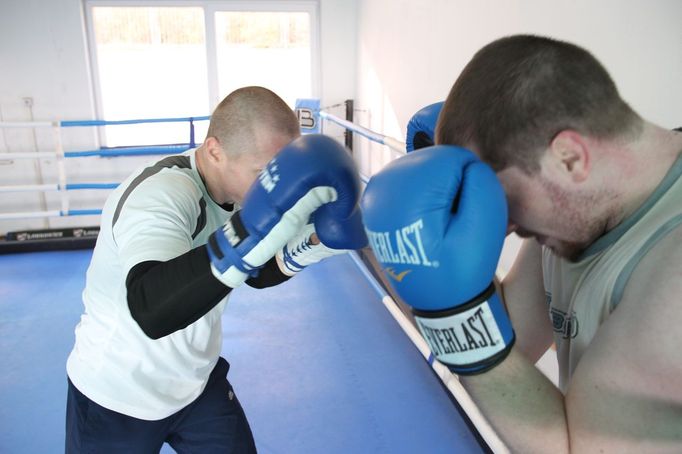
(151, 332)
(146, 322)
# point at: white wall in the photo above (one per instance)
(407, 54)
(338, 57)
(44, 56)
(410, 53)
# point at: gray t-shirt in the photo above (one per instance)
(582, 294)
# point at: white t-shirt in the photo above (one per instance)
(158, 213)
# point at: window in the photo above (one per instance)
(264, 48)
(154, 61)
(151, 63)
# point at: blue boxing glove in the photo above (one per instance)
(421, 129)
(334, 236)
(436, 220)
(311, 172)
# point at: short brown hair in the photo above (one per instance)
(518, 92)
(245, 112)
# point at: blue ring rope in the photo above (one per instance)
(79, 212)
(136, 150)
(72, 123)
(76, 186)
(129, 151)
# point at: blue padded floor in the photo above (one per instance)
(318, 363)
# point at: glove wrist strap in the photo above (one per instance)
(227, 265)
(471, 338)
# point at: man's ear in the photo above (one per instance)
(570, 155)
(214, 150)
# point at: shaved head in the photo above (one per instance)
(248, 118)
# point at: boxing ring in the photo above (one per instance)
(318, 364)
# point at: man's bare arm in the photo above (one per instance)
(626, 393)
(524, 297)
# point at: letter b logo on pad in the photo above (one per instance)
(307, 112)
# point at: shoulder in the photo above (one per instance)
(167, 187)
(171, 179)
(649, 314)
(640, 341)
(628, 378)
(653, 290)
(167, 196)
(659, 271)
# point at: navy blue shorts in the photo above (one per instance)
(213, 423)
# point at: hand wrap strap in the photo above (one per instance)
(300, 252)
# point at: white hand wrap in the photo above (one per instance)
(300, 252)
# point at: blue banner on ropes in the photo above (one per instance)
(308, 113)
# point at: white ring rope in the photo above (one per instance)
(390, 142)
(28, 124)
(29, 155)
(450, 380)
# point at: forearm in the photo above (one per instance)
(523, 406)
(164, 297)
(523, 293)
(531, 322)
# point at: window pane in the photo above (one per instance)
(271, 49)
(152, 64)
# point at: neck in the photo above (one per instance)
(209, 177)
(641, 165)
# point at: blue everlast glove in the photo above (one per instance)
(311, 172)
(421, 129)
(336, 235)
(436, 220)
